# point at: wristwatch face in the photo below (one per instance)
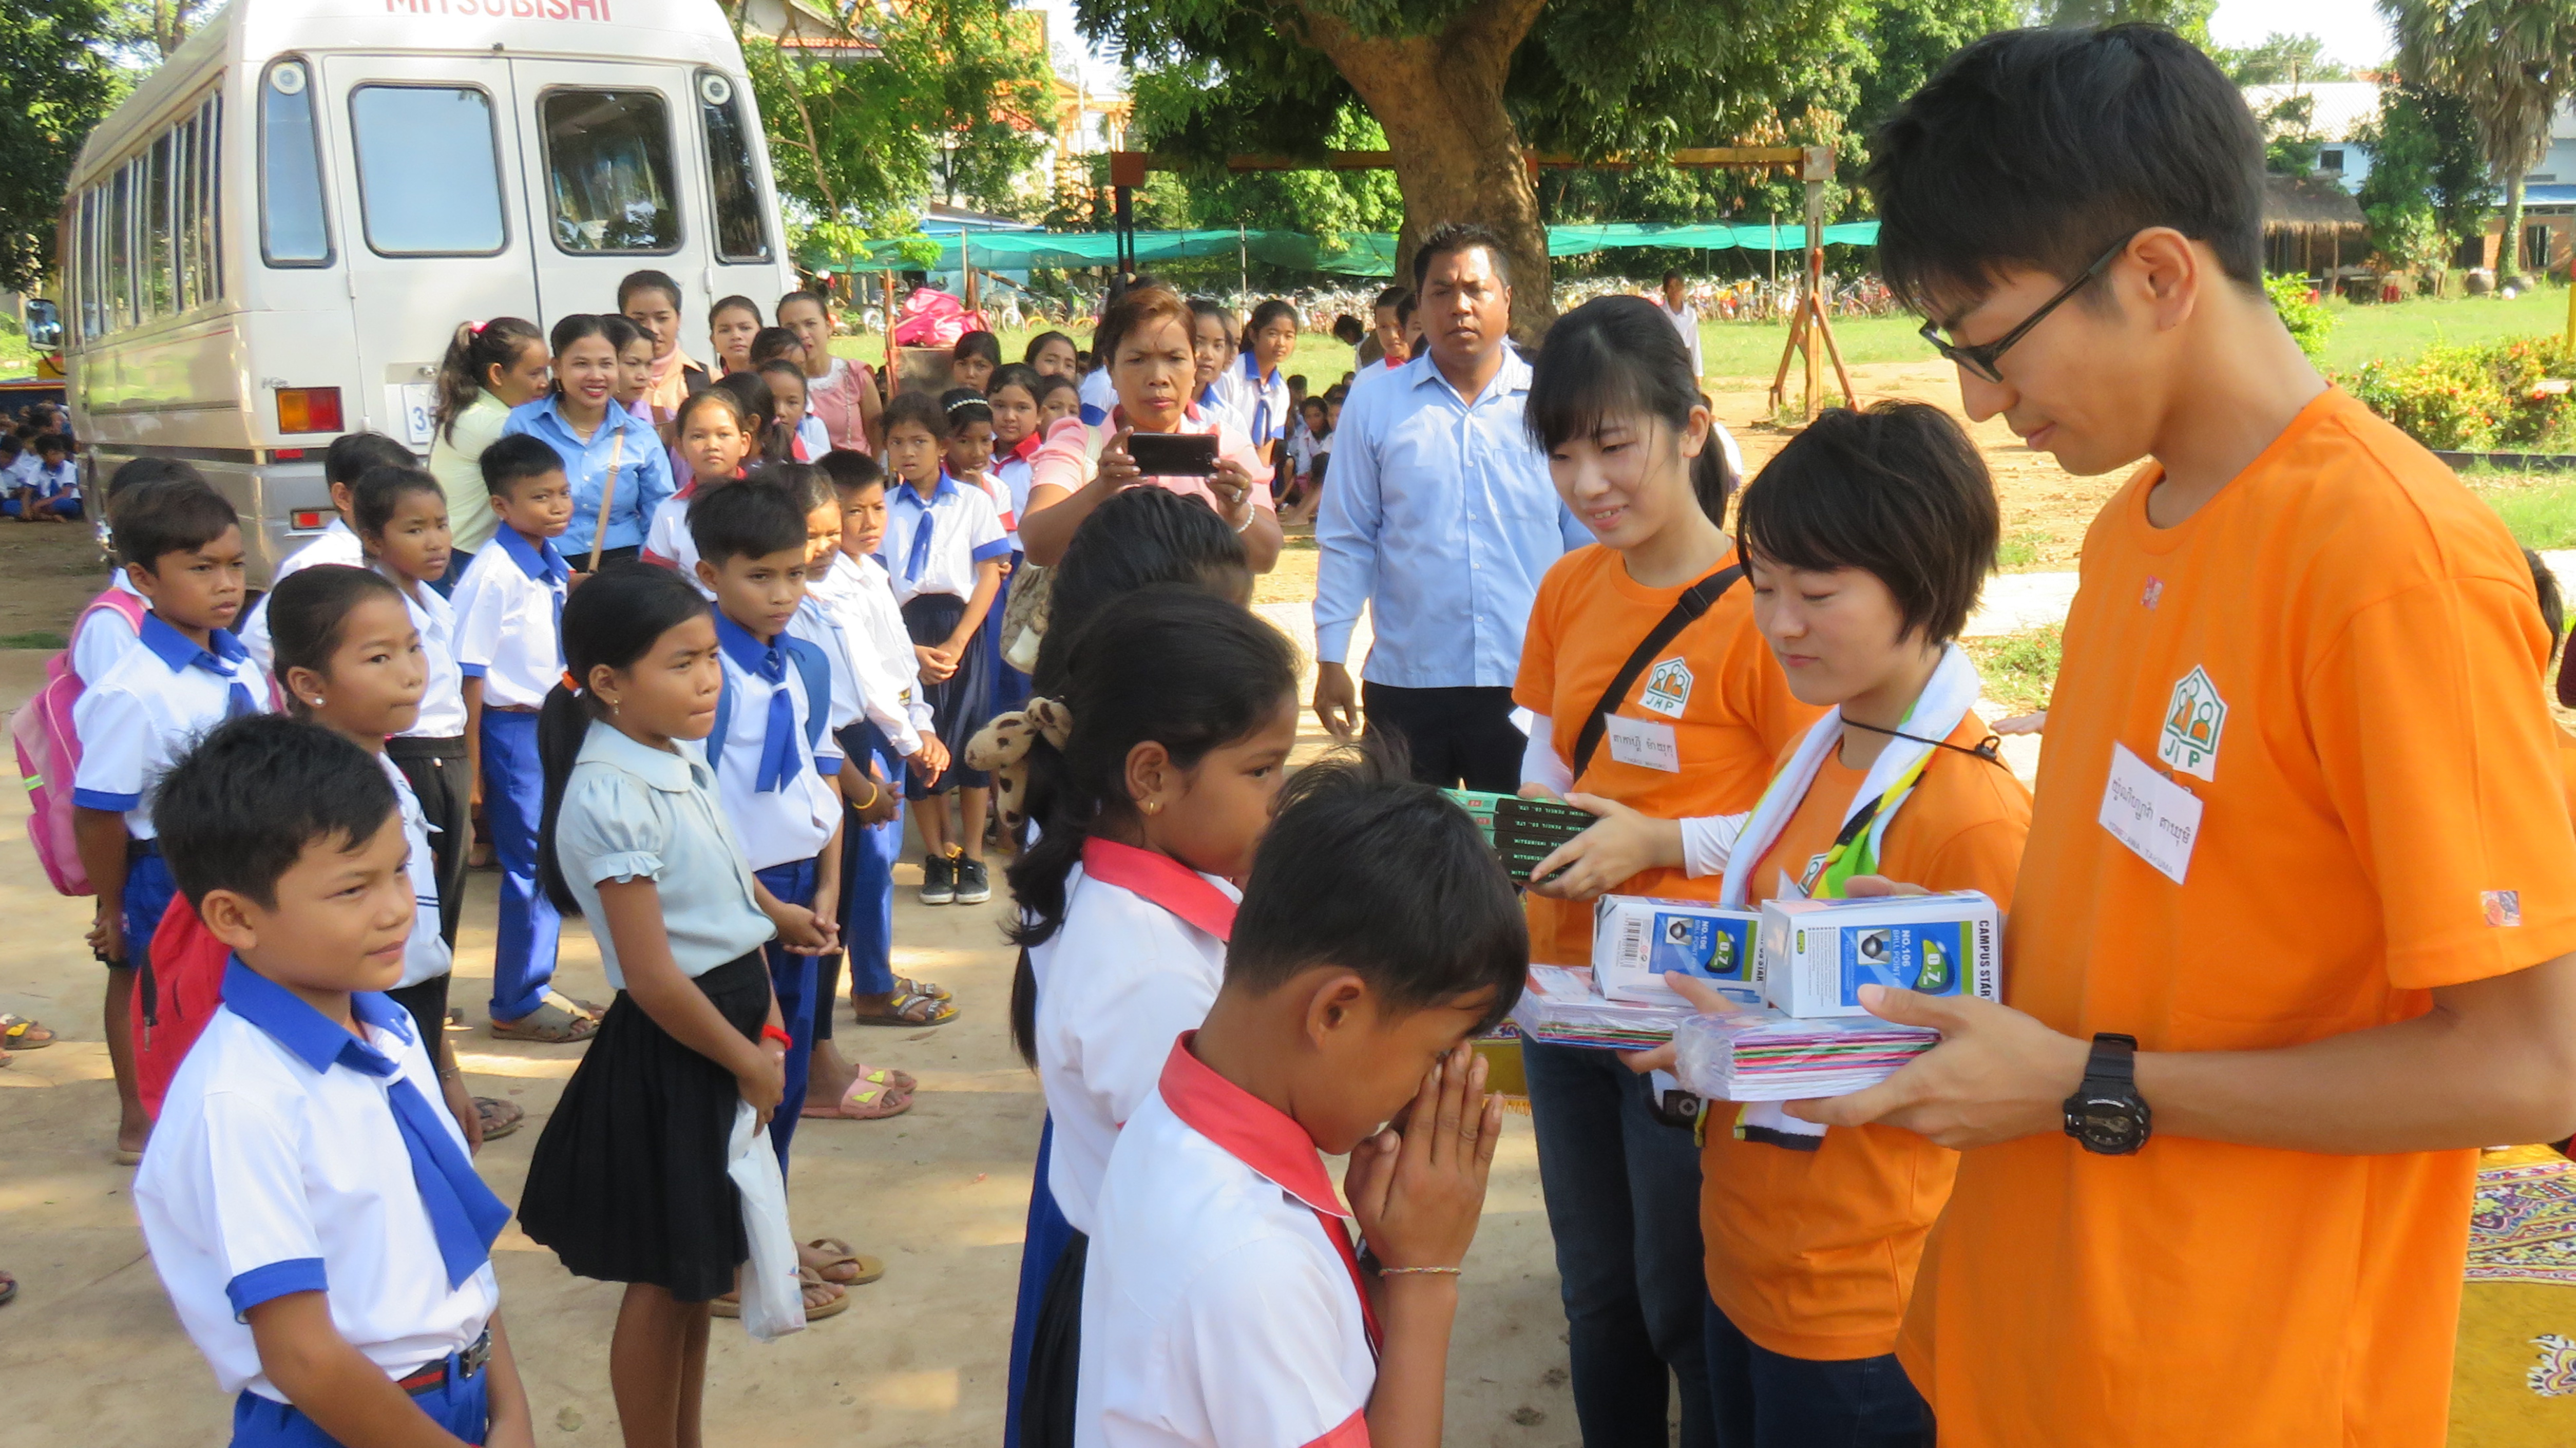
(2109, 1124)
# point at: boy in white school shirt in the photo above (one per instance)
(182, 550)
(347, 460)
(509, 647)
(308, 1205)
(772, 749)
(1225, 1302)
(896, 731)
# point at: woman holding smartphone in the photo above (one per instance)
(1154, 435)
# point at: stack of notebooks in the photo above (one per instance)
(1765, 1055)
(1561, 1008)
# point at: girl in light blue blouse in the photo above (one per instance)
(614, 460)
(628, 1183)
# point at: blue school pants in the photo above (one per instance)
(60, 507)
(462, 1406)
(867, 870)
(792, 977)
(1040, 1245)
(514, 787)
(148, 888)
(1010, 686)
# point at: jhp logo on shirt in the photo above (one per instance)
(2195, 717)
(1668, 687)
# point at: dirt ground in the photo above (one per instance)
(95, 1359)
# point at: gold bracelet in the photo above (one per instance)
(874, 792)
(1426, 1271)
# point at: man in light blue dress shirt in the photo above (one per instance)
(1441, 518)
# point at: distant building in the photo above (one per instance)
(2339, 111)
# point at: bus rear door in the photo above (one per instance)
(606, 177)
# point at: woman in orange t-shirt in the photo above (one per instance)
(1633, 454)
(1866, 540)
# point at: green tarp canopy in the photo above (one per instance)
(1350, 253)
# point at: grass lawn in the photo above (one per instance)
(1752, 349)
(2538, 508)
(2019, 669)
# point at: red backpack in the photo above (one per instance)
(175, 998)
(49, 753)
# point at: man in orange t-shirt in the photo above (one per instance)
(2295, 829)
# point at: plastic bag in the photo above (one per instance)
(773, 1302)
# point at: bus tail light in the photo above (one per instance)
(308, 409)
(307, 520)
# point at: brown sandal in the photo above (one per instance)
(910, 1012)
(500, 1117)
(548, 1025)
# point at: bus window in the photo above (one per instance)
(740, 233)
(93, 325)
(154, 216)
(429, 183)
(210, 194)
(608, 171)
(120, 252)
(292, 231)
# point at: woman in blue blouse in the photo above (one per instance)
(613, 459)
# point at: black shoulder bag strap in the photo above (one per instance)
(1695, 600)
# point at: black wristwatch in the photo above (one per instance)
(2106, 1115)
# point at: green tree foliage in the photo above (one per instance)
(2187, 18)
(2426, 191)
(956, 106)
(2510, 62)
(1174, 102)
(2282, 59)
(1464, 90)
(55, 87)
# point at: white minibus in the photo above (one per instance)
(272, 240)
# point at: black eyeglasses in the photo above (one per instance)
(1981, 358)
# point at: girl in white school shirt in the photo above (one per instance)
(1152, 778)
(349, 659)
(627, 1183)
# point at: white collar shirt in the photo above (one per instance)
(425, 955)
(1097, 395)
(274, 1170)
(1117, 981)
(854, 591)
(1256, 404)
(442, 698)
(509, 620)
(1685, 321)
(335, 544)
(632, 812)
(148, 709)
(934, 546)
(20, 469)
(1221, 1302)
(816, 625)
(101, 638)
(670, 541)
(62, 480)
(794, 820)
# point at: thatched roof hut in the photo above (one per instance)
(2310, 224)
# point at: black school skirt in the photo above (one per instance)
(628, 1182)
(1055, 1353)
(960, 703)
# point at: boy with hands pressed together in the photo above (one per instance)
(311, 1210)
(1227, 1303)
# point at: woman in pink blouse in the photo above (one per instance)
(1146, 336)
(841, 392)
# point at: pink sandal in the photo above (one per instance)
(866, 1100)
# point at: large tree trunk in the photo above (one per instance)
(1458, 157)
(2509, 255)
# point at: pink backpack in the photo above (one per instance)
(49, 753)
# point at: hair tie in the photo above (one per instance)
(476, 328)
(1001, 748)
(570, 683)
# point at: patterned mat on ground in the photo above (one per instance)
(2514, 1384)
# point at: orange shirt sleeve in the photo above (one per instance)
(1535, 687)
(2439, 760)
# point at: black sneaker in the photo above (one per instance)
(974, 887)
(938, 880)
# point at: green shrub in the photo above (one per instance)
(2309, 322)
(2475, 398)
